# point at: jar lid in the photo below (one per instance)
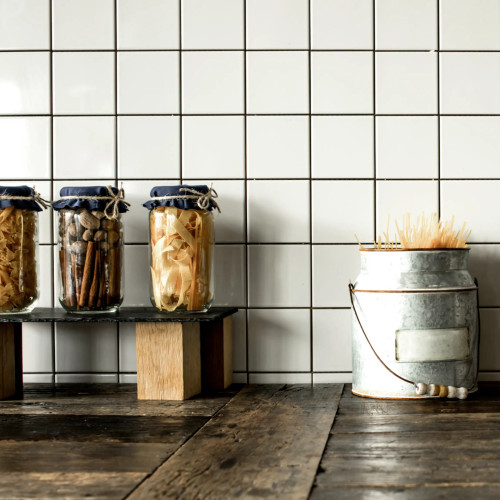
(184, 197)
(22, 197)
(107, 199)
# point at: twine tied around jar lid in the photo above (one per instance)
(203, 200)
(36, 197)
(114, 201)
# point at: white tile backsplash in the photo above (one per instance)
(342, 82)
(37, 347)
(24, 83)
(83, 24)
(83, 83)
(313, 119)
(25, 25)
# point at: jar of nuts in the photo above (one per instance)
(181, 247)
(90, 248)
(19, 207)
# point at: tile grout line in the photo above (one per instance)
(181, 119)
(116, 162)
(374, 109)
(438, 68)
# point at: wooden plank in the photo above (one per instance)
(217, 354)
(267, 442)
(7, 361)
(49, 485)
(168, 360)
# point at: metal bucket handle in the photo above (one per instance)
(421, 389)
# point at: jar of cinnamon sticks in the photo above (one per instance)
(19, 207)
(181, 247)
(90, 248)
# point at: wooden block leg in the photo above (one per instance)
(168, 360)
(11, 360)
(217, 354)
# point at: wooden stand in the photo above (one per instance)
(11, 359)
(178, 356)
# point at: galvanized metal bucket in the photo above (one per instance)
(415, 320)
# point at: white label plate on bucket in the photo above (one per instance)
(440, 344)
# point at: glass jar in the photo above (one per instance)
(19, 288)
(181, 247)
(90, 246)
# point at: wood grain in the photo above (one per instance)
(266, 443)
(11, 368)
(168, 360)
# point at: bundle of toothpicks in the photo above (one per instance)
(428, 232)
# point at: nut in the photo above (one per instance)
(88, 235)
(72, 230)
(108, 224)
(79, 247)
(88, 221)
(113, 237)
(103, 245)
(100, 235)
(97, 214)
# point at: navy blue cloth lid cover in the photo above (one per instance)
(22, 197)
(183, 196)
(107, 199)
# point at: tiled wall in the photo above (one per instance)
(314, 118)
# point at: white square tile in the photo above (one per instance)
(45, 277)
(342, 82)
(332, 340)
(406, 25)
(86, 347)
(37, 347)
(87, 378)
(490, 349)
(342, 209)
(334, 267)
(136, 220)
(148, 24)
(136, 276)
(473, 202)
(84, 147)
(24, 24)
(341, 24)
(277, 24)
(279, 378)
(230, 223)
(38, 378)
(407, 147)
(278, 211)
(397, 198)
(277, 82)
(342, 146)
(44, 188)
(127, 348)
(230, 275)
(148, 82)
(56, 193)
(239, 377)
(332, 378)
(213, 146)
(24, 83)
(127, 378)
(217, 24)
(279, 276)
(25, 145)
(212, 82)
(470, 146)
(470, 25)
(239, 342)
(83, 24)
(406, 83)
(279, 340)
(482, 260)
(148, 147)
(84, 82)
(470, 83)
(278, 146)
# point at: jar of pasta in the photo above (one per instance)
(90, 248)
(19, 207)
(181, 247)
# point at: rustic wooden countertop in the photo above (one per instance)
(261, 441)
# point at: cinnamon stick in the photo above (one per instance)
(94, 289)
(88, 269)
(67, 280)
(112, 266)
(76, 278)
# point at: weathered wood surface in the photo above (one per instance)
(266, 443)
(413, 449)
